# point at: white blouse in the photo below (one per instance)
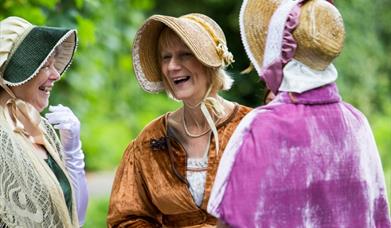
(196, 176)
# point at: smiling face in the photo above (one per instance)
(37, 90)
(185, 76)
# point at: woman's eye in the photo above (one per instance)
(187, 54)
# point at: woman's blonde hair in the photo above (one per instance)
(218, 78)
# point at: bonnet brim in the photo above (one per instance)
(35, 49)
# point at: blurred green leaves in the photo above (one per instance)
(79, 3)
(86, 31)
(25, 9)
(97, 213)
(142, 5)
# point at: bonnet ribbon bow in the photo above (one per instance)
(23, 117)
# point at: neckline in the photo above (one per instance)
(218, 125)
(188, 133)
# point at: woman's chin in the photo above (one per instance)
(41, 107)
(181, 97)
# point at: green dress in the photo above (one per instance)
(62, 179)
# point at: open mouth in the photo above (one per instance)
(45, 89)
(180, 80)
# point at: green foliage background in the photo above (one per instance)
(101, 88)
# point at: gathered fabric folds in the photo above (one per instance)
(304, 160)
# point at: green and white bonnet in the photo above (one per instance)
(25, 48)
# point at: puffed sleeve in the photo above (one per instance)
(130, 205)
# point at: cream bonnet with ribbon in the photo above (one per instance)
(24, 49)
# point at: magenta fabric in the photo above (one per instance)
(272, 74)
(307, 160)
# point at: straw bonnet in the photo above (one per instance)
(319, 34)
(24, 49)
(200, 33)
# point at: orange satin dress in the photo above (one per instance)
(150, 187)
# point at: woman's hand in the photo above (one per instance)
(62, 118)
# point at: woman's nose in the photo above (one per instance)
(54, 74)
(174, 64)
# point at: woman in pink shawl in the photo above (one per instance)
(307, 159)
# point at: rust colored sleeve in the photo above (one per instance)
(130, 205)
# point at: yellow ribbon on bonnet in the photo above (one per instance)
(23, 117)
(221, 47)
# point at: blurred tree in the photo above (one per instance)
(364, 64)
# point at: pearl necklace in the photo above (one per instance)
(188, 132)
